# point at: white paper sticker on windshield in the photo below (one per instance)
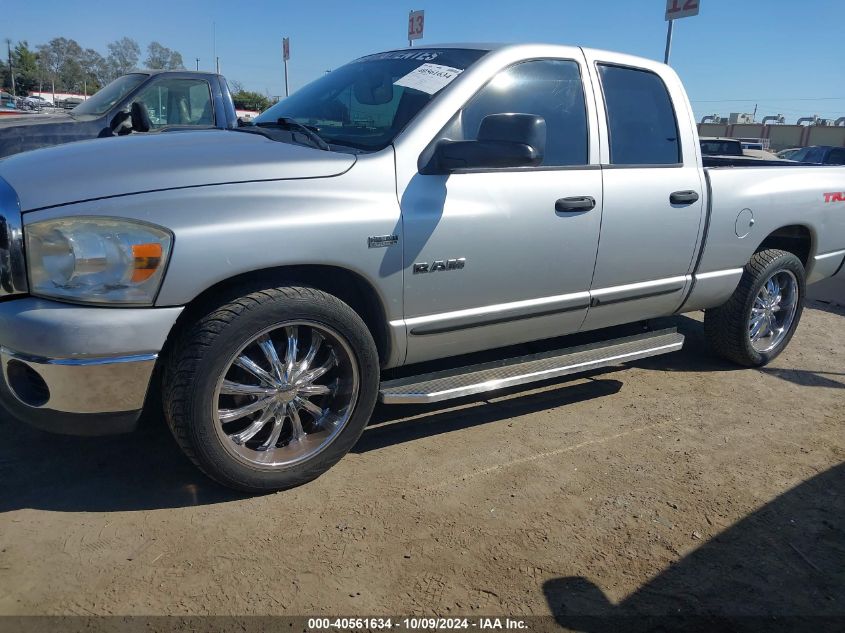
(429, 78)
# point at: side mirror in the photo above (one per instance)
(141, 121)
(121, 123)
(504, 140)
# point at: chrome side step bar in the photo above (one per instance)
(475, 379)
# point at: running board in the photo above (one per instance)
(475, 379)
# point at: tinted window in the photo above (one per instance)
(836, 157)
(640, 118)
(721, 148)
(551, 89)
(814, 155)
(800, 154)
(177, 102)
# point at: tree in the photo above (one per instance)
(95, 68)
(245, 100)
(61, 59)
(123, 56)
(71, 75)
(160, 57)
(25, 62)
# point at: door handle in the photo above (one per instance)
(575, 203)
(683, 197)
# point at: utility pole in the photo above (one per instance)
(11, 67)
(668, 42)
(285, 58)
(410, 41)
(198, 63)
(218, 65)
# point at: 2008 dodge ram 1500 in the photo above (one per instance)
(419, 204)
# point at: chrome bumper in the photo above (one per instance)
(83, 385)
(80, 370)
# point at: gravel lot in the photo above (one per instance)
(677, 484)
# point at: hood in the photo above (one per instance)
(109, 167)
(28, 132)
(32, 120)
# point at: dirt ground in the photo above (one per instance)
(678, 484)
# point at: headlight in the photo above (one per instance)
(97, 260)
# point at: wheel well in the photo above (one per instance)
(347, 286)
(794, 239)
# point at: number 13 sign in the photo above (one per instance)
(676, 9)
(416, 22)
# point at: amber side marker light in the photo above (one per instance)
(147, 260)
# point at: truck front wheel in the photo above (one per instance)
(272, 389)
(758, 321)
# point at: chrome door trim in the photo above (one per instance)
(544, 306)
(716, 274)
(639, 290)
(831, 254)
(495, 314)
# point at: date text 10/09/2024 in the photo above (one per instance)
(412, 624)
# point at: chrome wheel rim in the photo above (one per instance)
(773, 311)
(286, 394)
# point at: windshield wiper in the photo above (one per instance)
(293, 125)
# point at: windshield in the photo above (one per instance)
(111, 94)
(809, 155)
(366, 103)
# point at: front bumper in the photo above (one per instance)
(79, 370)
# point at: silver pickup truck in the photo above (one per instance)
(270, 283)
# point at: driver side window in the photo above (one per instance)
(178, 102)
(548, 88)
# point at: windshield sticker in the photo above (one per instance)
(423, 56)
(429, 78)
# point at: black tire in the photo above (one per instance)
(200, 356)
(726, 327)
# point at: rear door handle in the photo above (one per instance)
(575, 203)
(683, 197)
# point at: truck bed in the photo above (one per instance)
(747, 161)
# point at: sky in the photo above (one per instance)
(785, 57)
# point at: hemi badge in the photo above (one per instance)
(381, 241)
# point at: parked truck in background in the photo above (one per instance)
(272, 282)
(820, 155)
(143, 101)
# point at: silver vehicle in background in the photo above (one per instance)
(270, 283)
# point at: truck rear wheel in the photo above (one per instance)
(758, 321)
(272, 389)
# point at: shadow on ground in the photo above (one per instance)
(429, 420)
(782, 568)
(146, 470)
(139, 471)
(697, 357)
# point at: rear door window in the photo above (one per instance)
(641, 120)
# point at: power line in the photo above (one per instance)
(772, 100)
